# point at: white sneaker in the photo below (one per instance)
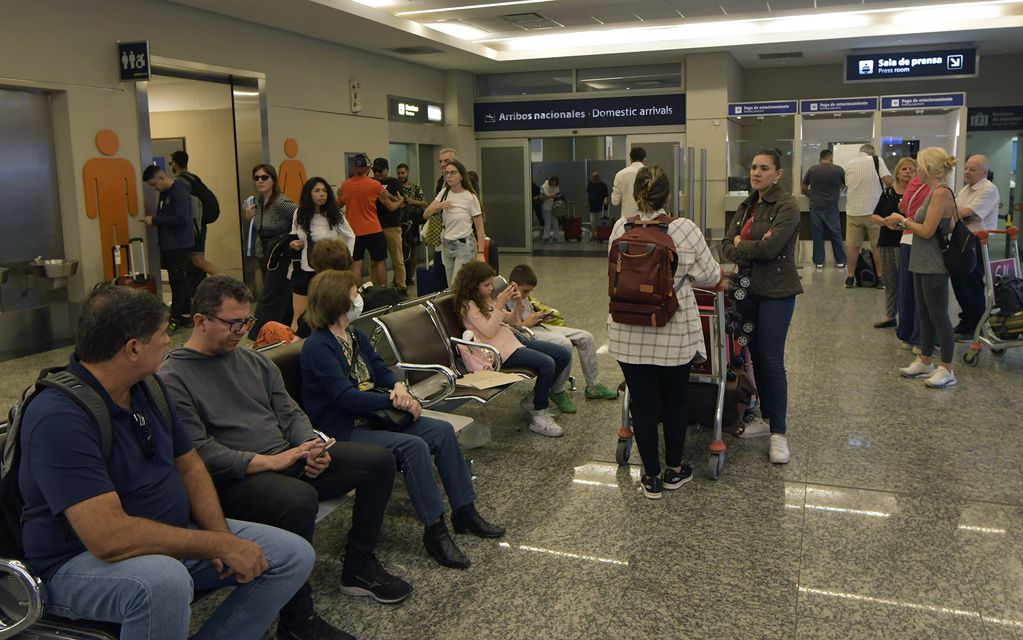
(917, 370)
(905, 346)
(941, 378)
(758, 428)
(541, 422)
(779, 449)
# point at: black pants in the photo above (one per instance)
(969, 292)
(658, 394)
(289, 502)
(177, 262)
(275, 303)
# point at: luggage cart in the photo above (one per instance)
(714, 371)
(1008, 267)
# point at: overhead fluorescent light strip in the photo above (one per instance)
(457, 29)
(470, 6)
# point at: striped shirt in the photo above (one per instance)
(681, 340)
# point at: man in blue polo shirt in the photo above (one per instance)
(126, 539)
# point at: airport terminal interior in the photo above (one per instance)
(898, 515)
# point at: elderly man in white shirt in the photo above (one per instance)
(624, 182)
(978, 203)
(864, 186)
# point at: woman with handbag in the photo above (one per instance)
(350, 393)
(462, 240)
(317, 218)
(272, 213)
(930, 274)
(761, 240)
(890, 237)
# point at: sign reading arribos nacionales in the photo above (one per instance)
(582, 113)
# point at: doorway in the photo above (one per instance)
(218, 121)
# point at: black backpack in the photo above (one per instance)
(866, 273)
(1009, 294)
(210, 204)
(90, 400)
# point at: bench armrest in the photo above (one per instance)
(21, 596)
(450, 381)
(486, 347)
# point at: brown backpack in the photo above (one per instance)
(641, 273)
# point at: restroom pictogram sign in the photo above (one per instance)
(133, 60)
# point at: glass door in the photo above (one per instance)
(506, 193)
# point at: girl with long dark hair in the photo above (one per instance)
(463, 238)
(272, 213)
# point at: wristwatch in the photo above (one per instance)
(902, 224)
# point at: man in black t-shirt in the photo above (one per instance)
(597, 194)
(390, 220)
(822, 183)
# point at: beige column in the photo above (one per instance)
(712, 81)
(458, 114)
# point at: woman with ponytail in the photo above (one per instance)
(926, 263)
(656, 360)
(761, 241)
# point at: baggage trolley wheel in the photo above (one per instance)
(971, 357)
(715, 465)
(743, 340)
(739, 294)
(745, 282)
(998, 352)
(624, 451)
(747, 327)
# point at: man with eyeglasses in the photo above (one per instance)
(125, 538)
(266, 460)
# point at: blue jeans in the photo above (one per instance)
(413, 447)
(908, 328)
(771, 319)
(455, 253)
(150, 596)
(548, 360)
(819, 219)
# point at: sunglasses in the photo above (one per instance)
(144, 436)
(235, 326)
(261, 177)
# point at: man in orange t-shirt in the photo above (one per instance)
(359, 194)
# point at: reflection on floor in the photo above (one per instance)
(898, 516)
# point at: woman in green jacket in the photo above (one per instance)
(761, 241)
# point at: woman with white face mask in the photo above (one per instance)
(345, 382)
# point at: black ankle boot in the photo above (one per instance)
(467, 520)
(442, 548)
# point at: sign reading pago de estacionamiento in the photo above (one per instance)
(585, 113)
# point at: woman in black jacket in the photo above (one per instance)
(761, 241)
(273, 212)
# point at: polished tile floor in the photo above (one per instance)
(898, 516)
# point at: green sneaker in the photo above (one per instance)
(600, 392)
(564, 401)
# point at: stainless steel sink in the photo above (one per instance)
(54, 268)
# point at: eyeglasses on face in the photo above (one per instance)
(144, 436)
(260, 177)
(235, 326)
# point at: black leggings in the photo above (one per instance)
(658, 394)
(932, 305)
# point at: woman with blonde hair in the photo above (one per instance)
(890, 237)
(930, 277)
(656, 360)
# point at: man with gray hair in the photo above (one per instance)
(978, 203)
(866, 176)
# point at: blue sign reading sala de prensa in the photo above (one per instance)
(628, 111)
(773, 108)
(923, 101)
(837, 105)
(959, 62)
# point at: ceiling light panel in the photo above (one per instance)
(458, 29)
(467, 7)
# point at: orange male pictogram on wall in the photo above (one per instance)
(292, 172)
(110, 194)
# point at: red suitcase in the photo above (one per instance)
(604, 225)
(133, 277)
(573, 227)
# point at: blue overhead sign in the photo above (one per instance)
(627, 111)
(923, 101)
(959, 62)
(995, 119)
(837, 105)
(773, 108)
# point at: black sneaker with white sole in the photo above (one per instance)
(373, 580)
(651, 487)
(672, 479)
